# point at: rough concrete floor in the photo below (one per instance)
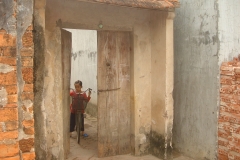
(87, 150)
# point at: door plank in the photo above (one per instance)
(123, 48)
(66, 39)
(113, 71)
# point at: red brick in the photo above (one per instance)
(29, 130)
(26, 144)
(7, 40)
(11, 158)
(235, 149)
(8, 78)
(27, 61)
(226, 68)
(230, 156)
(227, 80)
(236, 70)
(8, 114)
(226, 89)
(223, 151)
(27, 75)
(226, 98)
(236, 128)
(8, 51)
(13, 105)
(27, 39)
(8, 60)
(28, 156)
(225, 126)
(227, 73)
(224, 117)
(28, 123)
(8, 150)
(223, 134)
(28, 88)
(9, 135)
(11, 125)
(222, 157)
(12, 98)
(223, 143)
(27, 96)
(27, 52)
(12, 89)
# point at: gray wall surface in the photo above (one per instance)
(228, 29)
(84, 63)
(196, 84)
(206, 34)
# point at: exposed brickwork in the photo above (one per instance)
(26, 145)
(8, 112)
(10, 147)
(229, 115)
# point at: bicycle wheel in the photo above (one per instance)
(78, 120)
(79, 127)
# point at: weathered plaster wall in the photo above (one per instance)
(196, 83)
(84, 63)
(162, 84)
(228, 29)
(79, 15)
(39, 73)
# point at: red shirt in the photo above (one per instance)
(86, 99)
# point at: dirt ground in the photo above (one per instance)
(87, 150)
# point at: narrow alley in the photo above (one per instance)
(87, 150)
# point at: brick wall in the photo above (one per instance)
(16, 101)
(229, 115)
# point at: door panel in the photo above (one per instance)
(66, 39)
(114, 93)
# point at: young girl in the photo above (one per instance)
(74, 93)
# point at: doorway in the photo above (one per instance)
(101, 60)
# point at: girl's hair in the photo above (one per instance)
(78, 82)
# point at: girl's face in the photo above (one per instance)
(78, 87)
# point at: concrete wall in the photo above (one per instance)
(196, 83)
(84, 63)
(79, 15)
(206, 34)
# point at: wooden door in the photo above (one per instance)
(66, 39)
(113, 93)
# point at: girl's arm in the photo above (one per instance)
(72, 92)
